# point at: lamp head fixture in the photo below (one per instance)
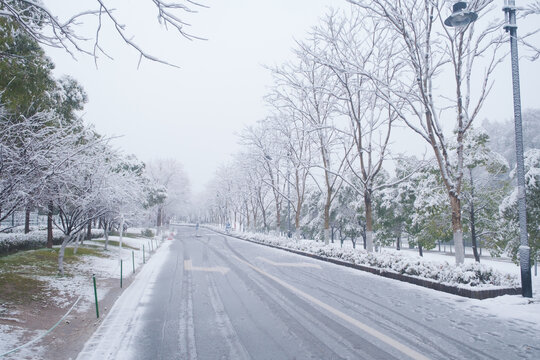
(460, 16)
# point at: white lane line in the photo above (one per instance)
(188, 265)
(300, 264)
(382, 337)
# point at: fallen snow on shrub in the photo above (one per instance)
(10, 242)
(470, 275)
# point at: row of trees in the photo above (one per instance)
(359, 79)
(52, 162)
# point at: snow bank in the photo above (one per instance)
(469, 275)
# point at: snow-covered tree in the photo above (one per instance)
(78, 185)
(508, 208)
(123, 193)
(169, 188)
(264, 143)
(484, 189)
(429, 50)
(307, 88)
(502, 143)
(352, 45)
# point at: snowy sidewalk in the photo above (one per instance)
(114, 333)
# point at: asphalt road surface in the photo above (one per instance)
(217, 297)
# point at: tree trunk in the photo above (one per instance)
(158, 221)
(473, 221)
(369, 222)
(65, 242)
(27, 220)
(50, 209)
(297, 215)
(121, 233)
(88, 235)
(420, 250)
(278, 214)
(457, 229)
(106, 233)
(398, 242)
(77, 241)
(326, 233)
(248, 222)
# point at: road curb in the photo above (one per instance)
(464, 292)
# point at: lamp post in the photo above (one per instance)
(459, 18)
(524, 249)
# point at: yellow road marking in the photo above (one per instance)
(188, 265)
(382, 337)
(301, 264)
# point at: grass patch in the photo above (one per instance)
(20, 289)
(127, 234)
(117, 244)
(17, 271)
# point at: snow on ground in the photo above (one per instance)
(63, 291)
(103, 268)
(507, 306)
(16, 335)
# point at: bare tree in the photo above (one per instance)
(306, 88)
(354, 46)
(34, 17)
(296, 140)
(264, 144)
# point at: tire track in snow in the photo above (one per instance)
(323, 334)
(234, 345)
(188, 350)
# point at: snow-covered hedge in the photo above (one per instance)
(466, 275)
(12, 242)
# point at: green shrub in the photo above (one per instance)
(147, 233)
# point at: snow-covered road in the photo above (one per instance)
(216, 297)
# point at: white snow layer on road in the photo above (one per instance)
(113, 339)
(509, 307)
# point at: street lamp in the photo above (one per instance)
(459, 18)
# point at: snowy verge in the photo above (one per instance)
(469, 276)
(62, 291)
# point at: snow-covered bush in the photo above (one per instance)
(12, 242)
(464, 275)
